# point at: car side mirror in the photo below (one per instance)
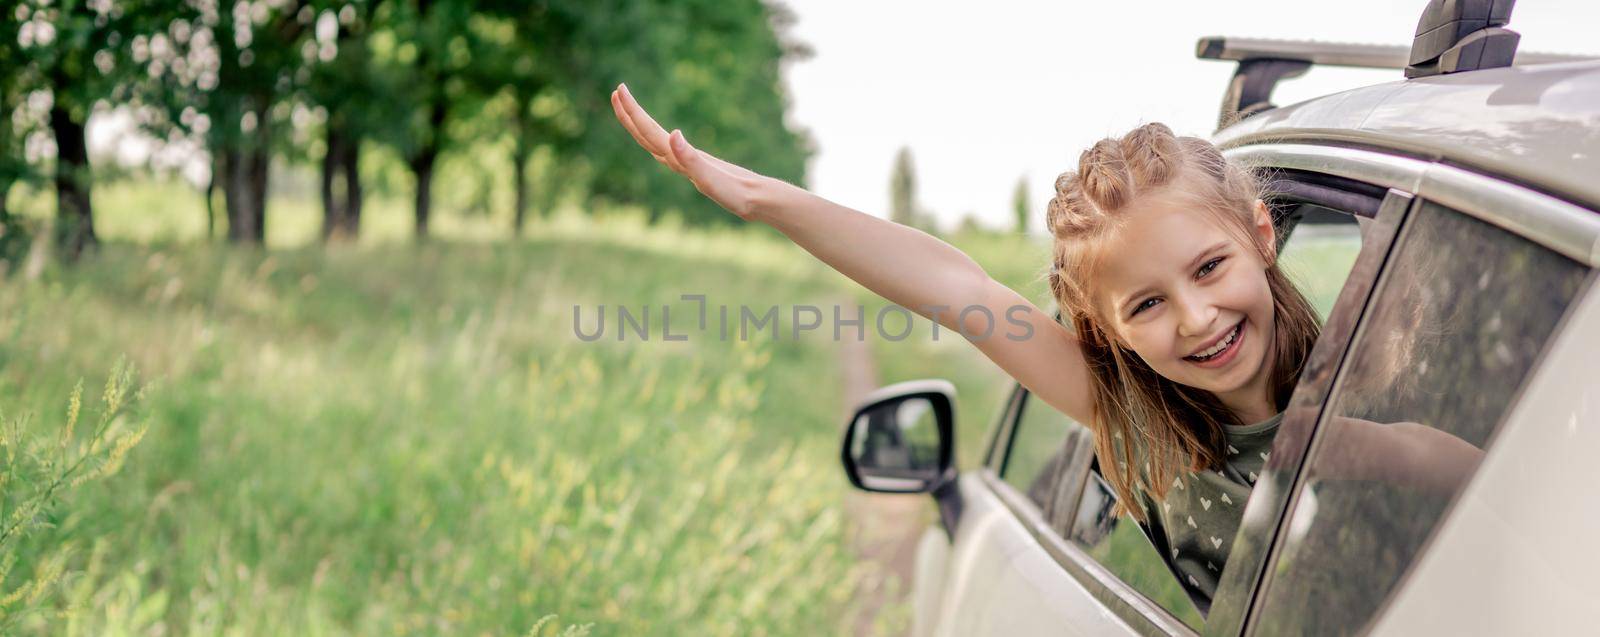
(900, 439)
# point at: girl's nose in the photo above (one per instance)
(1195, 317)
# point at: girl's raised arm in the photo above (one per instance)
(906, 266)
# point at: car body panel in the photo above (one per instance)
(1537, 125)
(1515, 556)
(1000, 581)
(928, 579)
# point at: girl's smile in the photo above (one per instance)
(1222, 351)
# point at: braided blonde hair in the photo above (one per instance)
(1137, 412)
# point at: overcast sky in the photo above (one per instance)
(984, 93)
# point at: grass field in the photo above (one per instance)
(390, 439)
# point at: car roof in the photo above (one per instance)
(1537, 125)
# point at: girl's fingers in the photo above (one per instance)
(628, 123)
(648, 132)
(657, 147)
(725, 183)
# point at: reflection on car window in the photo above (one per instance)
(1118, 544)
(1459, 320)
(1318, 258)
(1048, 461)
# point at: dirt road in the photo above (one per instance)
(883, 528)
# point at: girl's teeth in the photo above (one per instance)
(1220, 346)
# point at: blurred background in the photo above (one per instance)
(288, 291)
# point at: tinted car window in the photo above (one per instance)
(1318, 258)
(1461, 315)
(1050, 455)
(1118, 544)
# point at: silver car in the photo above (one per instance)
(1446, 225)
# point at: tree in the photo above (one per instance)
(14, 167)
(73, 46)
(341, 84)
(712, 67)
(235, 67)
(903, 189)
(425, 73)
(1020, 206)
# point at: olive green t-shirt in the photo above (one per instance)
(1201, 512)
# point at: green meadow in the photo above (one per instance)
(388, 438)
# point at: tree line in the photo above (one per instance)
(324, 82)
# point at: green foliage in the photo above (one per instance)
(1021, 209)
(39, 472)
(260, 83)
(709, 67)
(903, 189)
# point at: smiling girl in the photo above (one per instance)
(1185, 338)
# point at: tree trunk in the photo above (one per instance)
(422, 168)
(352, 188)
(240, 201)
(245, 190)
(211, 195)
(231, 198)
(519, 181)
(74, 212)
(422, 164)
(6, 175)
(260, 161)
(245, 186)
(333, 212)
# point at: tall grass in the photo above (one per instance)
(38, 469)
(395, 439)
(410, 440)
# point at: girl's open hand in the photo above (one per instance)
(732, 187)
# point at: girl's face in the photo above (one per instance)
(1191, 299)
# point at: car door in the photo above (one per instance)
(991, 576)
(1482, 276)
(1039, 514)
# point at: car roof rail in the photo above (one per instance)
(1265, 62)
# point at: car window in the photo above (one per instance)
(1460, 316)
(1117, 543)
(1050, 455)
(1318, 258)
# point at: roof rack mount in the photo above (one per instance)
(1452, 36)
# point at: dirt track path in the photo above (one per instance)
(883, 528)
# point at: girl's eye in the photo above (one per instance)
(1208, 267)
(1144, 305)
